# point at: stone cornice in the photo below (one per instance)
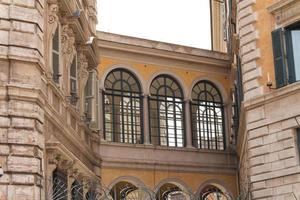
(115, 155)
(285, 11)
(161, 49)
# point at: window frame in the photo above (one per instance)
(212, 105)
(155, 119)
(134, 135)
(56, 69)
(283, 54)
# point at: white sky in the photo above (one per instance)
(185, 22)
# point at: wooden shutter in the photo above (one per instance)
(279, 59)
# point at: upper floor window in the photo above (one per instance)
(207, 117)
(55, 56)
(73, 81)
(286, 51)
(166, 112)
(122, 107)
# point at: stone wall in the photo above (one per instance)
(249, 51)
(273, 156)
(21, 99)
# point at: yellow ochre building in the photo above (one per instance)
(90, 115)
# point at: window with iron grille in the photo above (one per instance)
(166, 112)
(59, 185)
(207, 117)
(122, 107)
(77, 190)
(55, 56)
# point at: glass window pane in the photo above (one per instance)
(296, 52)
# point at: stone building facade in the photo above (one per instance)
(54, 132)
(44, 126)
(82, 115)
(268, 141)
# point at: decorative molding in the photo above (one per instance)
(285, 11)
(82, 75)
(68, 45)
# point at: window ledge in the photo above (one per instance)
(151, 146)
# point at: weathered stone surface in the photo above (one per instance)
(22, 179)
(23, 123)
(23, 164)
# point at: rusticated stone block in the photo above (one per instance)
(26, 14)
(25, 3)
(3, 135)
(26, 109)
(4, 149)
(21, 192)
(255, 114)
(23, 164)
(4, 10)
(3, 192)
(4, 179)
(22, 179)
(23, 123)
(23, 27)
(28, 137)
(20, 150)
(4, 122)
(3, 162)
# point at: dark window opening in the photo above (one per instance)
(122, 108)
(207, 117)
(55, 56)
(166, 112)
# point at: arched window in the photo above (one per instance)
(77, 190)
(207, 117)
(213, 193)
(171, 191)
(122, 107)
(59, 185)
(123, 191)
(166, 112)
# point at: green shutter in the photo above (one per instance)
(279, 62)
(290, 57)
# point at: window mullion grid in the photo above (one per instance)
(122, 108)
(206, 116)
(131, 115)
(199, 122)
(158, 120)
(166, 111)
(215, 125)
(114, 123)
(175, 124)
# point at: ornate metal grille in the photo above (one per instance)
(122, 107)
(213, 193)
(170, 191)
(59, 185)
(166, 112)
(127, 191)
(207, 117)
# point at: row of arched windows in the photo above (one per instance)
(123, 112)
